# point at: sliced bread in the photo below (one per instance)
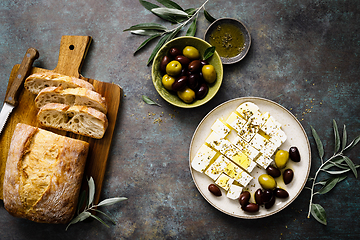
(38, 81)
(81, 120)
(71, 97)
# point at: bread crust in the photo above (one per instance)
(71, 97)
(38, 81)
(58, 202)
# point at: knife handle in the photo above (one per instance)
(25, 67)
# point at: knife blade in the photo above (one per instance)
(13, 92)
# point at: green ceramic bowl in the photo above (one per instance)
(180, 43)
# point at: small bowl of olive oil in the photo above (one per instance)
(231, 39)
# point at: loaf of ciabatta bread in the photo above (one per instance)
(43, 175)
(71, 97)
(38, 81)
(81, 120)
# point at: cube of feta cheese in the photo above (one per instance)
(224, 181)
(234, 191)
(263, 161)
(244, 179)
(235, 122)
(220, 128)
(242, 160)
(216, 168)
(258, 142)
(203, 158)
(247, 110)
(269, 127)
(220, 144)
(281, 134)
(248, 131)
(245, 147)
(260, 119)
(269, 149)
(232, 170)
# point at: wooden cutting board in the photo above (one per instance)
(73, 50)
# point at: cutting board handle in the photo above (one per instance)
(73, 50)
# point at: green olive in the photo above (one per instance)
(168, 81)
(209, 73)
(173, 68)
(191, 53)
(187, 95)
(267, 182)
(281, 158)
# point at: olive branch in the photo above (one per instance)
(173, 13)
(86, 213)
(336, 166)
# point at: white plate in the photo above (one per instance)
(296, 136)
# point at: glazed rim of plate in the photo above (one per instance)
(252, 215)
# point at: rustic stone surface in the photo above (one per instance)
(304, 55)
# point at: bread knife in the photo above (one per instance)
(13, 92)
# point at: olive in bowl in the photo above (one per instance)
(206, 93)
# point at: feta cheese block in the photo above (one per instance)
(234, 192)
(216, 168)
(220, 128)
(247, 110)
(203, 158)
(224, 181)
(264, 161)
(235, 121)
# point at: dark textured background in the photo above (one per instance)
(304, 55)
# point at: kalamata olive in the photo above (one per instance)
(251, 207)
(214, 190)
(288, 176)
(194, 66)
(163, 63)
(281, 193)
(266, 195)
(174, 52)
(184, 72)
(244, 198)
(267, 181)
(273, 171)
(202, 91)
(193, 81)
(294, 154)
(183, 60)
(180, 83)
(204, 62)
(281, 158)
(270, 203)
(258, 196)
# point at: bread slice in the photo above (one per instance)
(38, 81)
(43, 175)
(81, 120)
(71, 97)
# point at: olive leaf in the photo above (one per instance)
(318, 142)
(351, 165)
(149, 101)
(209, 52)
(337, 137)
(148, 5)
(192, 29)
(190, 11)
(352, 144)
(170, 4)
(169, 12)
(146, 32)
(147, 26)
(208, 16)
(161, 42)
(330, 184)
(146, 41)
(344, 138)
(86, 213)
(340, 178)
(318, 212)
(91, 184)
